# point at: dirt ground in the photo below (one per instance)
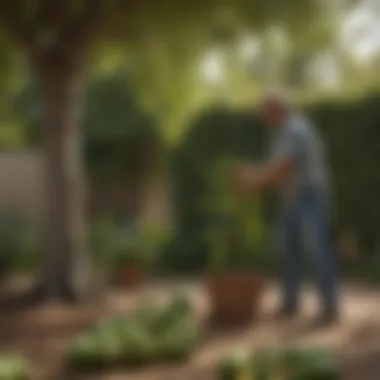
(43, 333)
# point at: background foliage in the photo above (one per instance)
(145, 82)
(121, 141)
(350, 131)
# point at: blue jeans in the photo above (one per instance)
(307, 214)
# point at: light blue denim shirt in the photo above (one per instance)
(298, 139)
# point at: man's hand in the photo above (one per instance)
(244, 178)
(248, 178)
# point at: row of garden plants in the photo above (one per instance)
(153, 332)
(172, 335)
(281, 363)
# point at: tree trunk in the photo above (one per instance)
(65, 274)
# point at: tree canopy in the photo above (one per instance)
(165, 37)
(163, 44)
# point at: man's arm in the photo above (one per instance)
(277, 170)
(272, 174)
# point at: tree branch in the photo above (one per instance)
(80, 31)
(89, 23)
(11, 15)
(55, 15)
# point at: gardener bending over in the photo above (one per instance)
(297, 168)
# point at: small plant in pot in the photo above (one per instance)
(124, 252)
(131, 261)
(234, 239)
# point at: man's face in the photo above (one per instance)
(273, 114)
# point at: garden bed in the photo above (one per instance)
(43, 335)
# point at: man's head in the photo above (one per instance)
(274, 108)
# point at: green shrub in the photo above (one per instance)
(350, 130)
(114, 244)
(21, 244)
(152, 332)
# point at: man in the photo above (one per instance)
(297, 169)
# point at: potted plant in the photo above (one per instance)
(234, 238)
(131, 260)
(120, 252)
(127, 252)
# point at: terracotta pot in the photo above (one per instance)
(128, 276)
(234, 297)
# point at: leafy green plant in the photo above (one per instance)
(116, 245)
(132, 249)
(235, 235)
(293, 363)
(155, 236)
(234, 366)
(283, 362)
(14, 367)
(154, 331)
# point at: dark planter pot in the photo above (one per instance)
(128, 276)
(234, 298)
